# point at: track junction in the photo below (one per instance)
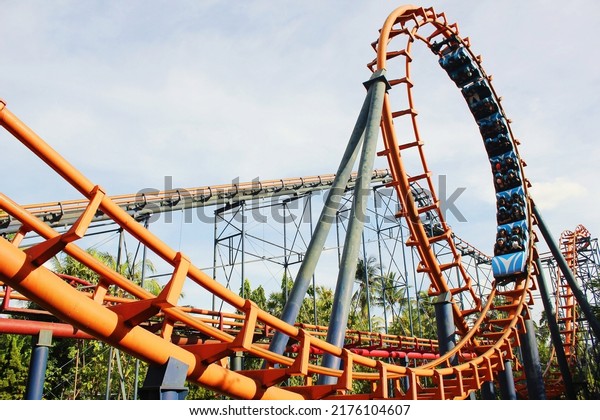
(485, 331)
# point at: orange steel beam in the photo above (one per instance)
(566, 309)
(512, 309)
(117, 326)
(358, 341)
(429, 261)
(488, 328)
(565, 299)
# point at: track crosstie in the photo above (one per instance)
(488, 327)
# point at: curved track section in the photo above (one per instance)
(567, 313)
(488, 327)
(571, 242)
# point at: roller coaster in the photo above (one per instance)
(483, 338)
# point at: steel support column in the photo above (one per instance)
(321, 230)
(507, 382)
(165, 382)
(566, 271)
(143, 274)
(561, 358)
(38, 364)
(405, 381)
(236, 361)
(531, 362)
(112, 350)
(444, 321)
(367, 285)
(488, 390)
(345, 281)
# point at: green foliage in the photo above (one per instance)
(196, 392)
(14, 361)
(65, 264)
(417, 318)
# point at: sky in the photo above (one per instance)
(209, 91)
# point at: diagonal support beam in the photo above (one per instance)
(319, 236)
(378, 85)
(566, 271)
(43, 251)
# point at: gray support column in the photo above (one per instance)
(405, 381)
(314, 283)
(111, 351)
(381, 276)
(142, 280)
(407, 286)
(367, 285)
(319, 236)
(38, 364)
(444, 321)
(507, 382)
(165, 382)
(488, 391)
(561, 358)
(345, 281)
(236, 361)
(566, 271)
(531, 362)
(215, 248)
(243, 247)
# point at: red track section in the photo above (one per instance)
(571, 242)
(488, 326)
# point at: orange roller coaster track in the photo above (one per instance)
(489, 328)
(567, 311)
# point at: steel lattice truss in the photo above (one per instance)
(490, 321)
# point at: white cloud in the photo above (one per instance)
(559, 192)
(208, 91)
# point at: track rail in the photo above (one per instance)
(567, 313)
(149, 203)
(488, 327)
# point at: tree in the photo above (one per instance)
(389, 294)
(82, 366)
(365, 275)
(131, 268)
(14, 365)
(418, 313)
(360, 308)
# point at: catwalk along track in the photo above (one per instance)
(488, 329)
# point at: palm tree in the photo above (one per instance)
(365, 275)
(418, 314)
(389, 294)
(91, 366)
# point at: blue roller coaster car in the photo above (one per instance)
(484, 108)
(504, 162)
(492, 126)
(510, 250)
(498, 145)
(507, 181)
(452, 43)
(464, 75)
(476, 92)
(511, 237)
(510, 206)
(516, 195)
(455, 59)
(509, 265)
